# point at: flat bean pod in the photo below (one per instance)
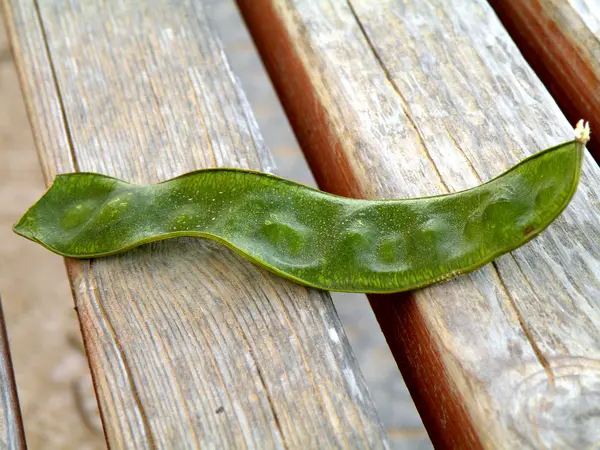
(306, 235)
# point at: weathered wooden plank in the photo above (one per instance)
(46, 348)
(401, 99)
(561, 41)
(11, 426)
(394, 405)
(189, 345)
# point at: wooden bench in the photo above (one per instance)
(561, 41)
(12, 435)
(189, 345)
(192, 347)
(402, 99)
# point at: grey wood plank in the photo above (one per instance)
(560, 39)
(396, 409)
(189, 345)
(403, 99)
(12, 435)
(46, 348)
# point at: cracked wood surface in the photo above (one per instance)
(403, 99)
(12, 436)
(190, 346)
(561, 41)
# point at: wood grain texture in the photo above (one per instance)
(189, 345)
(47, 351)
(396, 409)
(403, 99)
(560, 39)
(11, 426)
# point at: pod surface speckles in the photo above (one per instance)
(306, 235)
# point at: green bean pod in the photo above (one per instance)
(306, 235)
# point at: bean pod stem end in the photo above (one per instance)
(582, 132)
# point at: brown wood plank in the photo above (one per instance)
(189, 345)
(560, 39)
(403, 99)
(11, 426)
